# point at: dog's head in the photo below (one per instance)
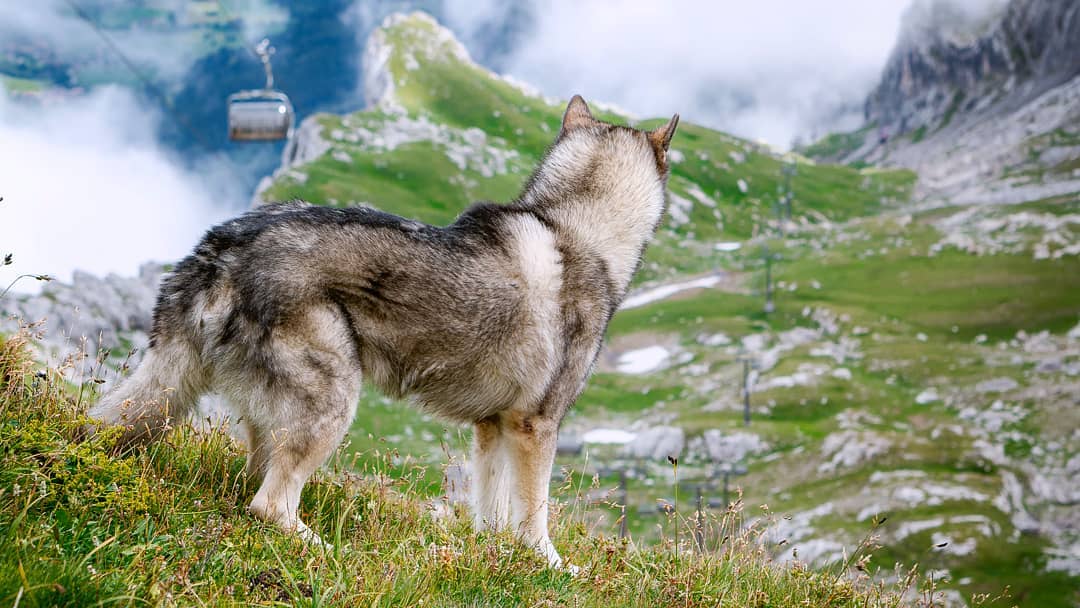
(638, 150)
(607, 184)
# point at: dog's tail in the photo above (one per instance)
(164, 387)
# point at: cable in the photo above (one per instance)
(165, 101)
(130, 65)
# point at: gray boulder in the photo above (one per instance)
(657, 443)
(731, 447)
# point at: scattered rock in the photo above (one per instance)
(907, 528)
(849, 448)
(997, 385)
(718, 339)
(1074, 333)
(107, 312)
(657, 443)
(732, 447)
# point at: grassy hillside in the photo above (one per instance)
(166, 526)
(450, 133)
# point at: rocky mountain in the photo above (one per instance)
(75, 322)
(982, 99)
(951, 55)
(916, 378)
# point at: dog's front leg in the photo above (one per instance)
(491, 485)
(529, 443)
(528, 439)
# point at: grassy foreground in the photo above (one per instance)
(167, 527)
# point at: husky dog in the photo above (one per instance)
(495, 320)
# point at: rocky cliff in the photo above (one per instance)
(89, 314)
(953, 60)
(982, 99)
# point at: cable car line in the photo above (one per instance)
(130, 65)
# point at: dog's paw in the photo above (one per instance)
(311, 537)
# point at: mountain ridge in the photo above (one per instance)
(983, 106)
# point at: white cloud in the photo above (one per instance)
(768, 69)
(85, 185)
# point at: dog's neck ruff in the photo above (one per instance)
(607, 198)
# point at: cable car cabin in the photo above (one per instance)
(260, 116)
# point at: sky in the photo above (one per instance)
(769, 70)
(89, 187)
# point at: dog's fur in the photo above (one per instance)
(495, 320)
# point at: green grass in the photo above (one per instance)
(954, 105)
(918, 134)
(836, 145)
(868, 267)
(895, 294)
(166, 525)
(993, 295)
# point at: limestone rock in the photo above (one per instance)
(657, 443)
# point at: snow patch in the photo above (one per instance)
(608, 436)
(643, 360)
(929, 395)
(648, 296)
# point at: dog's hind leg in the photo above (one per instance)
(530, 446)
(289, 454)
(164, 387)
(300, 418)
(491, 476)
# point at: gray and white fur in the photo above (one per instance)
(494, 320)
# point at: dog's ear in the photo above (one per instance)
(577, 115)
(660, 137)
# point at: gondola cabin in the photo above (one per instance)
(260, 115)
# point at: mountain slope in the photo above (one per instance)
(916, 365)
(166, 526)
(441, 132)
